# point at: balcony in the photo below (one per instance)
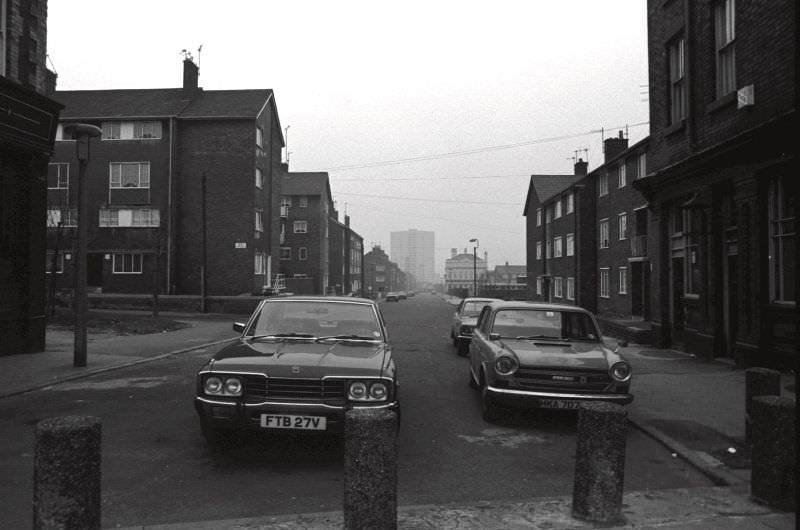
(639, 246)
(284, 211)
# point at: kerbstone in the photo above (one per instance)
(66, 473)
(370, 470)
(600, 462)
(774, 457)
(758, 382)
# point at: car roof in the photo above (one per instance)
(320, 298)
(544, 306)
(481, 299)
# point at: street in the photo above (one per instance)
(157, 469)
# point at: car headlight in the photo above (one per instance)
(358, 390)
(378, 391)
(223, 386)
(506, 365)
(368, 391)
(620, 371)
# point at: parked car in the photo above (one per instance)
(545, 356)
(402, 295)
(391, 296)
(300, 363)
(464, 321)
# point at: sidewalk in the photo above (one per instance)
(696, 409)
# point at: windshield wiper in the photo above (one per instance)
(532, 337)
(278, 336)
(345, 337)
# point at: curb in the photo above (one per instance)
(127, 364)
(718, 475)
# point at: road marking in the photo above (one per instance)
(507, 438)
(112, 384)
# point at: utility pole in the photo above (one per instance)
(82, 133)
(203, 263)
(474, 266)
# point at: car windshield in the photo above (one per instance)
(544, 324)
(472, 309)
(316, 318)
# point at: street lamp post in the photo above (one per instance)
(83, 133)
(475, 265)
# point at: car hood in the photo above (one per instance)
(313, 360)
(579, 355)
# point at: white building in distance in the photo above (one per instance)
(463, 272)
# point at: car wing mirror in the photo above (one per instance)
(622, 343)
(238, 327)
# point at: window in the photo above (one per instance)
(782, 250)
(303, 201)
(145, 217)
(301, 227)
(66, 216)
(725, 34)
(260, 264)
(139, 218)
(302, 253)
(259, 136)
(111, 130)
(642, 166)
(286, 253)
(604, 233)
(538, 250)
(259, 220)
(59, 263)
(623, 226)
(692, 223)
(623, 280)
(146, 130)
(677, 80)
(58, 175)
(127, 263)
(538, 217)
(539, 285)
(604, 288)
(570, 244)
(129, 175)
(570, 202)
(548, 249)
(558, 287)
(602, 184)
(557, 247)
(259, 178)
(622, 178)
(570, 288)
(557, 209)
(109, 217)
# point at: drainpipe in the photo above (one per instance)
(170, 207)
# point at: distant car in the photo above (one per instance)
(392, 296)
(300, 363)
(464, 321)
(411, 293)
(402, 295)
(543, 356)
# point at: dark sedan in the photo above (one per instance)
(543, 356)
(300, 363)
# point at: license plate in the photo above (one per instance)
(558, 404)
(288, 421)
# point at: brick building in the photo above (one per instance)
(183, 185)
(722, 182)
(27, 131)
(381, 275)
(306, 211)
(347, 252)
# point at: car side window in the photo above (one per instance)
(483, 318)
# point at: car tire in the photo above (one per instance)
(463, 348)
(472, 383)
(488, 409)
(455, 340)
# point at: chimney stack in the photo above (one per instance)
(581, 167)
(190, 76)
(614, 146)
(453, 253)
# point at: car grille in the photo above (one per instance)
(548, 380)
(466, 330)
(259, 388)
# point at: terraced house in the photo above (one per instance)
(183, 189)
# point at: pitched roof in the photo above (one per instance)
(306, 183)
(548, 186)
(161, 102)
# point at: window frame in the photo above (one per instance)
(622, 225)
(725, 46)
(622, 277)
(570, 242)
(780, 220)
(143, 177)
(676, 79)
(285, 253)
(59, 177)
(558, 247)
(602, 184)
(570, 288)
(302, 253)
(604, 282)
(603, 229)
(622, 177)
(300, 227)
(124, 265)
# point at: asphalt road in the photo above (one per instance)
(157, 469)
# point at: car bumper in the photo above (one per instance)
(535, 399)
(247, 416)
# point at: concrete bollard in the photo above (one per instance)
(66, 473)
(370, 469)
(774, 456)
(758, 382)
(600, 462)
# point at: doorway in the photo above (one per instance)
(94, 271)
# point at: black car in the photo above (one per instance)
(299, 364)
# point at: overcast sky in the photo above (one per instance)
(429, 115)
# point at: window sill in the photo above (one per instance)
(675, 128)
(721, 103)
